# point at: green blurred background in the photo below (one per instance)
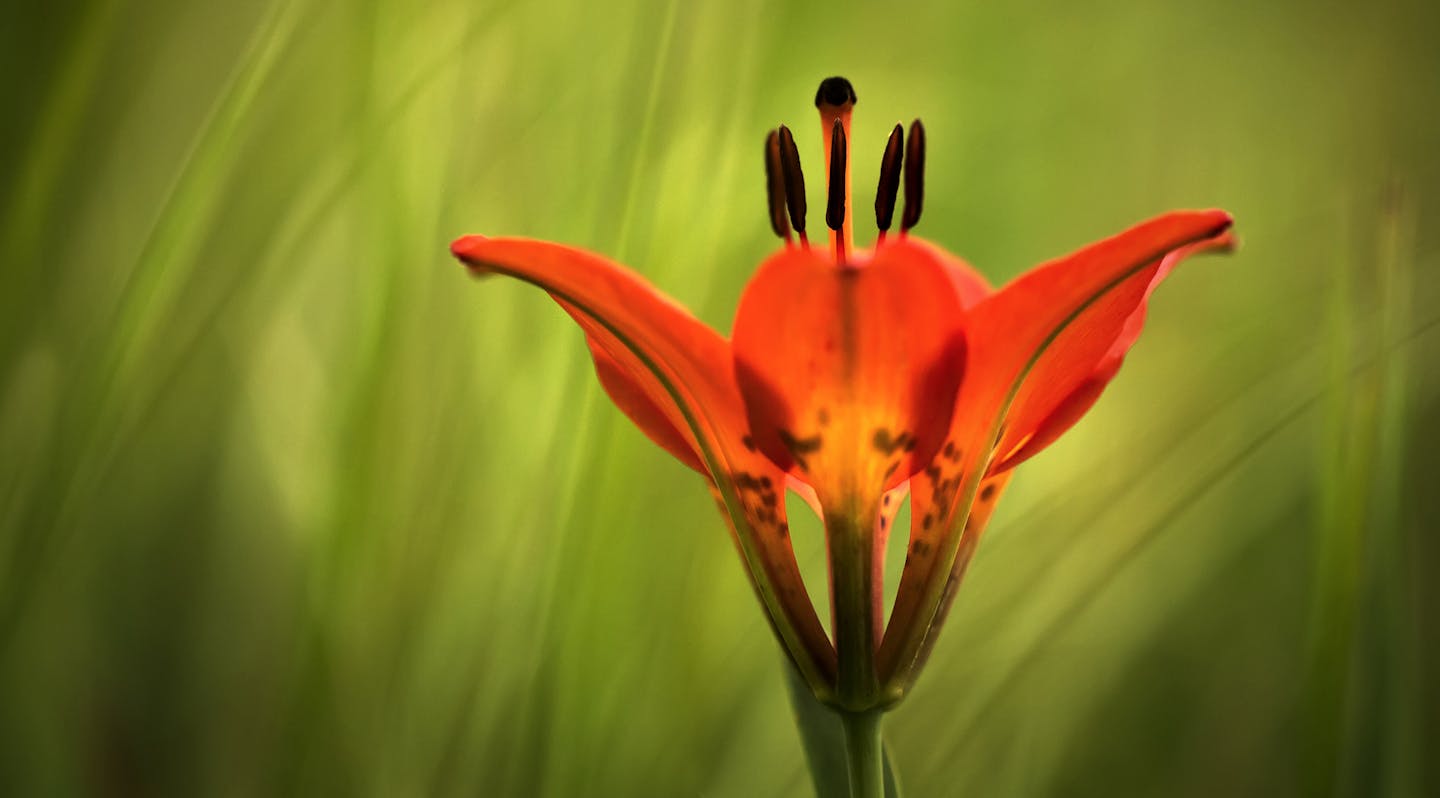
(289, 505)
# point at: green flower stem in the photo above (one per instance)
(852, 570)
(822, 732)
(863, 755)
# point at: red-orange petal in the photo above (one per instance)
(849, 373)
(1040, 351)
(644, 339)
(986, 500)
(674, 377)
(970, 286)
(1106, 293)
(1064, 416)
(630, 396)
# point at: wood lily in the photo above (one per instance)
(854, 376)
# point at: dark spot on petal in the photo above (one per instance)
(987, 493)
(927, 522)
(823, 416)
(799, 447)
(919, 548)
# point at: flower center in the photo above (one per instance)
(785, 180)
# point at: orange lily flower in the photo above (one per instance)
(855, 376)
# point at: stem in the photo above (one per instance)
(852, 573)
(863, 757)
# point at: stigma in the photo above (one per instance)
(785, 180)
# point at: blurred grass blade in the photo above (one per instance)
(1359, 725)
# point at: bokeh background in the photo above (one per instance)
(289, 505)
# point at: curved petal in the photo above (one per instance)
(986, 500)
(1040, 348)
(630, 396)
(1062, 417)
(673, 376)
(849, 373)
(970, 285)
(1068, 377)
(806, 494)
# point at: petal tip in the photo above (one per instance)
(463, 246)
(1221, 236)
(466, 249)
(1223, 220)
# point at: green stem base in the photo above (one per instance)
(863, 756)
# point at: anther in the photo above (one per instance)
(889, 187)
(914, 176)
(775, 186)
(794, 181)
(835, 204)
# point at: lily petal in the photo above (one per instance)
(1040, 351)
(970, 285)
(975, 525)
(673, 376)
(849, 373)
(1069, 377)
(630, 396)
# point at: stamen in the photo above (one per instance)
(835, 206)
(889, 187)
(914, 176)
(794, 183)
(835, 100)
(775, 187)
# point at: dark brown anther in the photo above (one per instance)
(914, 176)
(775, 186)
(889, 186)
(835, 204)
(794, 179)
